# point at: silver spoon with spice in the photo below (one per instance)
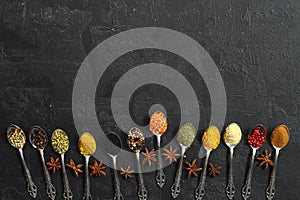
(60, 144)
(114, 153)
(158, 126)
(232, 137)
(38, 139)
(87, 147)
(210, 141)
(256, 138)
(17, 138)
(185, 137)
(279, 139)
(136, 142)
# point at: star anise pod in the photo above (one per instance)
(76, 168)
(214, 169)
(192, 168)
(97, 169)
(149, 156)
(127, 173)
(54, 165)
(170, 154)
(265, 159)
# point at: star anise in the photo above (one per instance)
(265, 159)
(214, 169)
(127, 173)
(97, 169)
(76, 168)
(149, 156)
(192, 168)
(54, 165)
(171, 154)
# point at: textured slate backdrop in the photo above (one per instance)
(255, 45)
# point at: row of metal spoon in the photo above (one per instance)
(38, 139)
(87, 146)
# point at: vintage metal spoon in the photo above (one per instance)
(113, 152)
(232, 137)
(17, 138)
(158, 126)
(136, 142)
(246, 190)
(87, 147)
(185, 138)
(38, 139)
(278, 134)
(210, 141)
(60, 144)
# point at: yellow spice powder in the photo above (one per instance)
(232, 134)
(87, 144)
(211, 138)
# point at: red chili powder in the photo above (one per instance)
(257, 136)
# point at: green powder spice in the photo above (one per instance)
(232, 134)
(186, 134)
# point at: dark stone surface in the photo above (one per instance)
(255, 45)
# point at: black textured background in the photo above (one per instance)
(255, 44)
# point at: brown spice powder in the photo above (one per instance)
(280, 136)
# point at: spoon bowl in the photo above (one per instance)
(38, 137)
(16, 136)
(113, 151)
(60, 141)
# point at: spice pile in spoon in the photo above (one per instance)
(257, 137)
(135, 140)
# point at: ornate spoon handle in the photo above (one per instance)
(200, 191)
(142, 192)
(246, 191)
(50, 190)
(270, 192)
(160, 176)
(230, 189)
(175, 189)
(87, 193)
(31, 187)
(68, 195)
(118, 194)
